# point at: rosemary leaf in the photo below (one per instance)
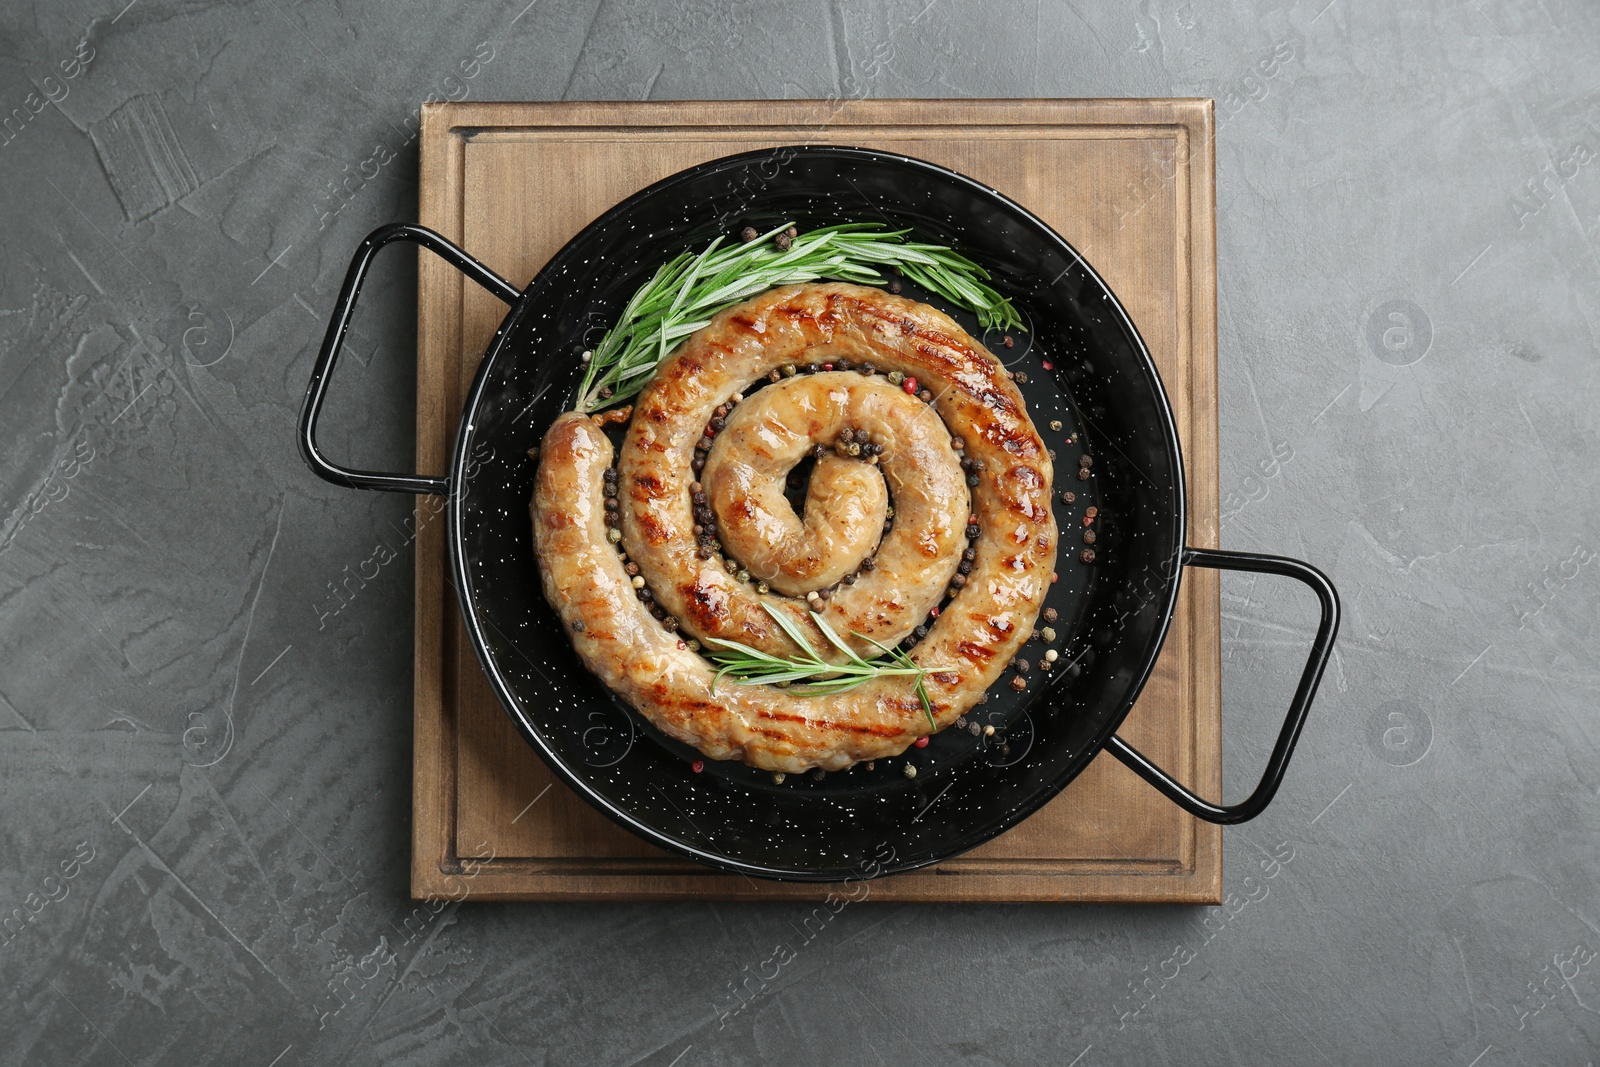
(688, 289)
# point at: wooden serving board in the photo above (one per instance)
(1129, 183)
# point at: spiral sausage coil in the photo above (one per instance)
(926, 522)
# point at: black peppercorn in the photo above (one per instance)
(748, 234)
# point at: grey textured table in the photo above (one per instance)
(204, 771)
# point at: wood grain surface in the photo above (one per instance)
(1129, 183)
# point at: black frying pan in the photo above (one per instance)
(1086, 366)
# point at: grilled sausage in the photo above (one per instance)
(966, 648)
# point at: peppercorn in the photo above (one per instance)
(959, 581)
(1048, 633)
(1083, 474)
(1088, 537)
(1085, 461)
(778, 777)
(748, 234)
(964, 567)
(842, 364)
(1086, 556)
(969, 554)
(610, 474)
(1023, 665)
(895, 377)
(958, 444)
(783, 241)
(1091, 512)
(926, 396)
(792, 232)
(632, 568)
(812, 368)
(699, 461)
(910, 386)
(1055, 424)
(1069, 497)
(972, 481)
(790, 370)
(869, 563)
(972, 533)
(869, 368)
(894, 285)
(910, 770)
(1018, 682)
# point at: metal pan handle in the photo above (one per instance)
(333, 341)
(1321, 649)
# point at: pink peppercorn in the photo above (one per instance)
(1047, 365)
(921, 742)
(1053, 577)
(697, 766)
(910, 386)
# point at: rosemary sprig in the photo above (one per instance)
(751, 666)
(687, 290)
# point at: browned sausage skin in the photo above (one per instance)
(973, 640)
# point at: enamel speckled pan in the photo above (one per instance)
(1112, 616)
